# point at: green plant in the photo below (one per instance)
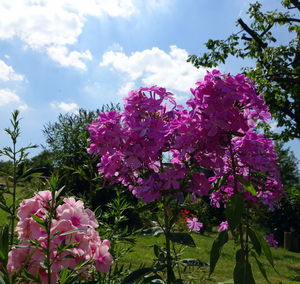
(17, 174)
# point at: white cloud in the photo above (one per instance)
(8, 97)
(66, 58)
(65, 107)
(44, 24)
(155, 67)
(11, 99)
(127, 87)
(7, 73)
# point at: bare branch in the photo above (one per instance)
(252, 33)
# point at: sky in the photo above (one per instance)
(57, 56)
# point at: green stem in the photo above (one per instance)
(48, 227)
(14, 195)
(240, 226)
(176, 259)
(168, 245)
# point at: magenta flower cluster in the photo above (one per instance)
(70, 216)
(156, 147)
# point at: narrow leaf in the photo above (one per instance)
(242, 273)
(255, 241)
(234, 210)
(137, 275)
(266, 249)
(216, 249)
(182, 238)
(246, 184)
(261, 267)
(39, 220)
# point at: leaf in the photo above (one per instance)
(156, 250)
(40, 221)
(63, 276)
(138, 274)
(234, 210)
(266, 249)
(2, 280)
(193, 262)
(261, 267)
(155, 279)
(220, 181)
(246, 184)
(69, 232)
(255, 241)
(4, 245)
(182, 238)
(216, 249)
(153, 231)
(242, 273)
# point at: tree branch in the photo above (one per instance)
(296, 3)
(287, 20)
(252, 33)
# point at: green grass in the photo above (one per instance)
(21, 193)
(286, 263)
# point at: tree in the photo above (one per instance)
(286, 218)
(277, 65)
(67, 141)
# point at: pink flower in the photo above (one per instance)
(223, 226)
(194, 225)
(103, 258)
(69, 216)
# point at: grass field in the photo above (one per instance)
(21, 194)
(287, 263)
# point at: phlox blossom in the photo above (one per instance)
(194, 225)
(70, 216)
(223, 226)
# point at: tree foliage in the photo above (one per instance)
(277, 64)
(67, 141)
(287, 217)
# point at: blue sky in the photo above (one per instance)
(60, 55)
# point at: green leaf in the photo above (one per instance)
(249, 186)
(182, 238)
(153, 231)
(246, 184)
(40, 221)
(155, 279)
(4, 245)
(216, 249)
(138, 274)
(69, 232)
(242, 273)
(220, 181)
(261, 267)
(266, 249)
(2, 278)
(255, 241)
(156, 250)
(234, 210)
(63, 276)
(189, 262)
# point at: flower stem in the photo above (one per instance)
(168, 244)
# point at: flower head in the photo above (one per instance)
(194, 225)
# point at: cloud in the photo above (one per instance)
(7, 73)
(8, 97)
(66, 58)
(155, 67)
(46, 24)
(65, 107)
(127, 87)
